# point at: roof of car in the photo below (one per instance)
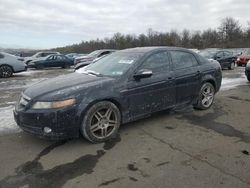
(152, 48)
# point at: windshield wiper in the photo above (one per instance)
(93, 73)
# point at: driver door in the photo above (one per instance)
(154, 93)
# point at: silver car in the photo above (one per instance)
(10, 64)
(39, 55)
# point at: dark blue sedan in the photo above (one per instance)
(51, 61)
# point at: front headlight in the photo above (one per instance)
(54, 104)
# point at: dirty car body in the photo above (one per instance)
(143, 81)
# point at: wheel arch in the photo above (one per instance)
(8, 66)
(84, 109)
(210, 80)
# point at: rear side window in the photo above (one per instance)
(182, 60)
(227, 54)
(1, 56)
(158, 62)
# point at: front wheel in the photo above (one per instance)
(101, 122)
(6, 71)
(206, 97)
(66, 66)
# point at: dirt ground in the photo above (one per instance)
(184, 148)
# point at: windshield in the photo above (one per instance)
(115, 64)
(207, 54)
(94, 53)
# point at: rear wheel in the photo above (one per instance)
(232, 65)
(206, 97)
(101, 122)
(6, 71)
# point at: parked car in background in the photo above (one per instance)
(195, 50)
(51, 61)
(243, 59)
(10, 64)
(247, 70)
(74, 55)
(83, 64)
(224, 57)
(39, 55)
(93, 55)
(122, 87)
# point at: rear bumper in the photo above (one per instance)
(62, 123)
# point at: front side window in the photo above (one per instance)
(51, 57)
(182, 60)
(158, 62)
(1, 56)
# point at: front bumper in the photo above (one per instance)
(63, 123)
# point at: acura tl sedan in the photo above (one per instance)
(125, 86)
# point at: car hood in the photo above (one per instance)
(244, 56)
(63, 86)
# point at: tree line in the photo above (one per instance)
(229, 34)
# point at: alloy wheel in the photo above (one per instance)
(5, 71)
(207, 96)
(103, 123)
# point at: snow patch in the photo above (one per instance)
(7, 122)
(229, 83)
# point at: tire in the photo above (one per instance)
(206, 97)
(39, 67)
(66, 66)
(101, 122)
(5, 71)
(232, 65)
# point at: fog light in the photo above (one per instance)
(47, 130)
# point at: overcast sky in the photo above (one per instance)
(53, 23)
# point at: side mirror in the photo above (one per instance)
(143, 73)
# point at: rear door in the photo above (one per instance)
(187, 76)
(154, 93)
(228, 58)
